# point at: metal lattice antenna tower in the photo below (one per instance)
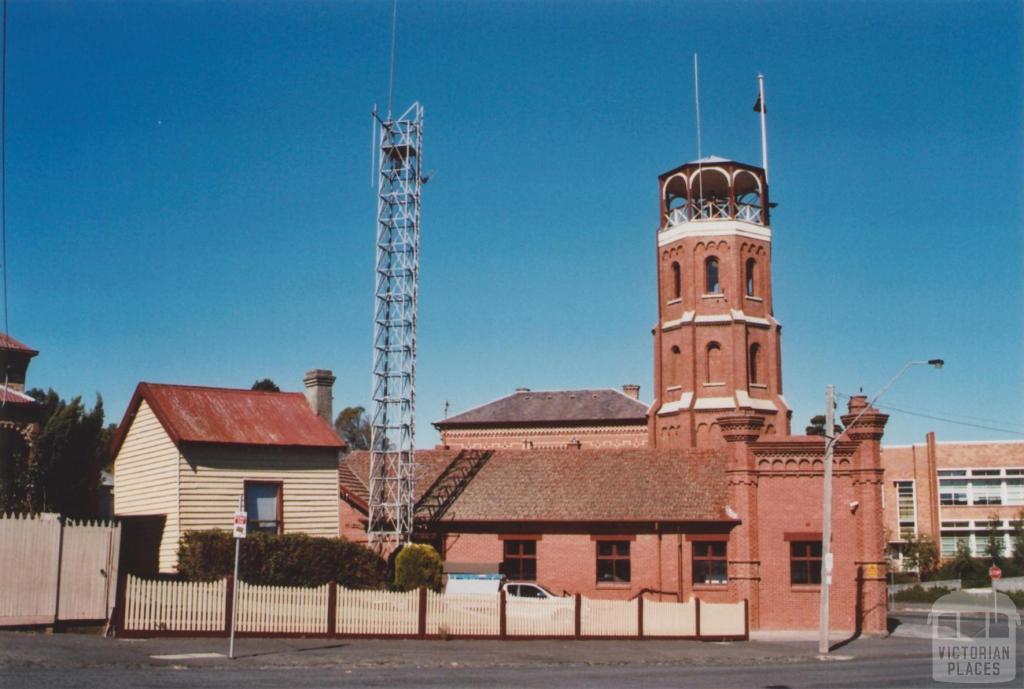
(392, 458)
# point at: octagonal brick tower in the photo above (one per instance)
(716, 343)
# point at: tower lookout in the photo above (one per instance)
(716, 343)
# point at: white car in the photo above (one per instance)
(528, 589)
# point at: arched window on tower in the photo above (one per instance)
(675, 366)
(677, 280)
(750, 277)
(711, 284)
(713, 363)
(755, 364)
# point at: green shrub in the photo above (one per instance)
(417, 564)
(288, 560)
(920, 595)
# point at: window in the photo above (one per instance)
(755, 363)
(713, 365)
(987, 491)
(520, 560)
(805, 562)
(952, 491)
(709, 562)
(711, 285)
(907, 509)
(677, 281)
(750, 276)
(612, 561)
(263, 507)
(1014, 491)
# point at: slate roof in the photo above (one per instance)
(9, 343)
(579, 485)
(193, 414)
(555, 406)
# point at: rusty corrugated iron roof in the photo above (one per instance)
(193, 414)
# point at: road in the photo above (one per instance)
(87, 662)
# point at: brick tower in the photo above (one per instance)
(716, 343)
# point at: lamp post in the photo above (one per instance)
(826, 513)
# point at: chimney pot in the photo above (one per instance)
(319, 393)
(632, 391)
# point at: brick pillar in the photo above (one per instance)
(872, 605)
(739, 430)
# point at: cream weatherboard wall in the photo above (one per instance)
(212, 477)
(146, 479)
(198, 487)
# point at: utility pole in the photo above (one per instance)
(826, 516)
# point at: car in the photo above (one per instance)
(528, 589)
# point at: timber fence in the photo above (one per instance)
(168, 608)
(55, 570)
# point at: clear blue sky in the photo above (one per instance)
(189, 193)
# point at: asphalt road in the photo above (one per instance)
(90, 662)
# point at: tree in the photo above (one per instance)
(994, 543)
(963, 562)
(417, 564)
(1017, 538)
(817, 426)
(353, 425)
(266, 385)
(63, 476)
(921, 554)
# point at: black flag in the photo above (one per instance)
(758, 107)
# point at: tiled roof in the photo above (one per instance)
(9, 395)
(429, 465)
(580, 485)
(556, 406)
(8, 342)
(195, 414)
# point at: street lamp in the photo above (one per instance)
(826, 519)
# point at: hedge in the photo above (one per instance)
(288, 560)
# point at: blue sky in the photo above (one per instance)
(189, 194)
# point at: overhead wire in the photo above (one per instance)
(947, 419)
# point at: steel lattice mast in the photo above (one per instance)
(392, 458)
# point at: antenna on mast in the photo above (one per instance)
(396, 288)
(696, 96)
(759, 106)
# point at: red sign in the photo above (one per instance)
(994, 573)
(240, 524)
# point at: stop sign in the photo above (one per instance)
(994, 572)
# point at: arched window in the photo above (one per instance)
(711, 284)
(674, 366)
(713, 363)
(677, 281)
(755, 363)
(750, 277)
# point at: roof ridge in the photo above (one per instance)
(183, 386)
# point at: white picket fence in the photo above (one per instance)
(377, 613)
(174, 606)
(151, 608)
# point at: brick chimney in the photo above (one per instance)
(631, 391)
(319, 383)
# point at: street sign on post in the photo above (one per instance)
(241, 520)
(994, 572)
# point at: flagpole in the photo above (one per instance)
(764, 126)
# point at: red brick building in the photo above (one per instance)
(953, 491)
(722, 504)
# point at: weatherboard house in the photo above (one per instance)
(721, 502)
(184, 455)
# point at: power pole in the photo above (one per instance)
(826, 516)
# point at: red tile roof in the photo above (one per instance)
(553, 406)
(193, 414)
(8, 342)
(429, 465)
(578, 485)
